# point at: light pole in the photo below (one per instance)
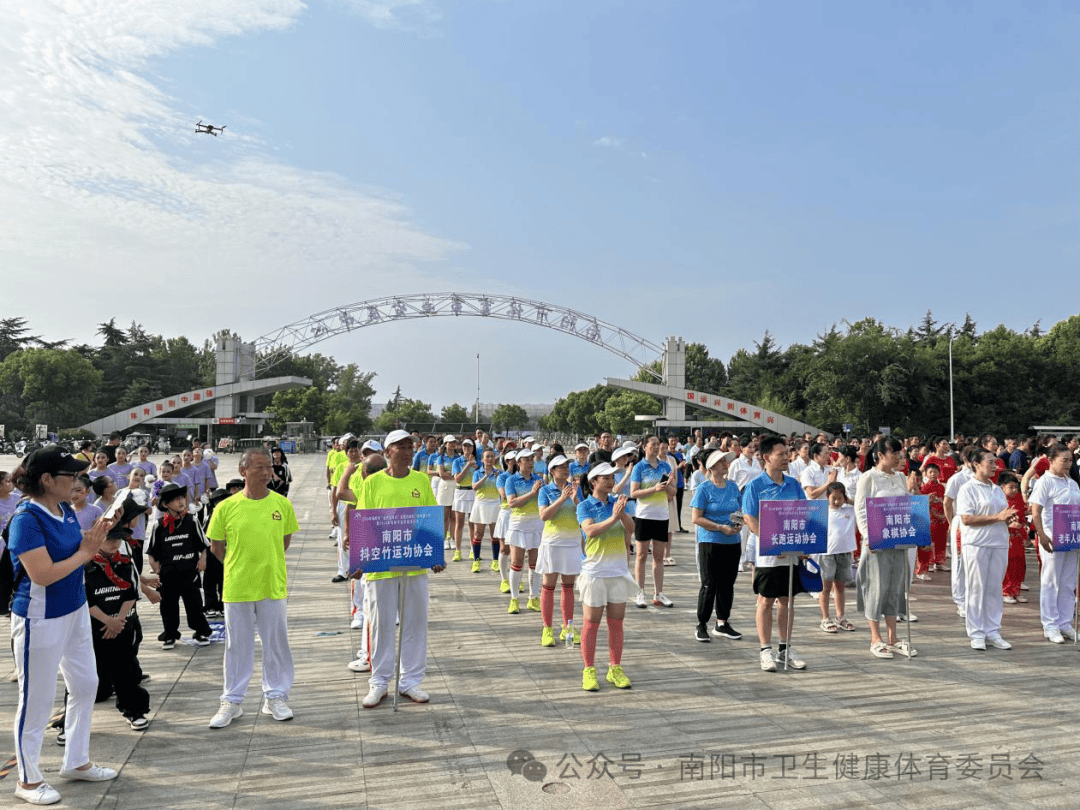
(476, 408)
(952, 422)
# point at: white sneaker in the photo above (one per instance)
(359, 665)
(1000, 643)
(226, 714)
(415, 694)
(1008, 600)
(1024, 587)
(277, 709)
(1068, 632)
(960, 612)
(374, 697)
(357, 622)
(1054, 636)
(978, 644)
(42, 794)
(768, 660)
(663, 601)
(923, 577)
(95, 773)
(640, 601)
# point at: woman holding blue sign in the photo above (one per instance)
(1058, 577)
(882, 572)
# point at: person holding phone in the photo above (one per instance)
(50, 621)
(651, 484)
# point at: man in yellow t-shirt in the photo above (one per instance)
(397, 486)
(250, 532)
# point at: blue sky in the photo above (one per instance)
(664, 166)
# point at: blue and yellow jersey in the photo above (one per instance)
(564, 526)
(489, 490)
(516, 486)
(606, 552)
(500, 483)
(653, 506)
(433, 463)
(458, 465)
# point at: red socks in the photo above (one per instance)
(547, 604)
(615, 639)
(588, 642)
(566, 604)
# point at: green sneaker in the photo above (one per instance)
(495, 566)
(617, 678)
(476, 566)
(547, 637)
(521, 587)
(588, 680)
(533, 604)
(514, 607)
(457, 556)
(577, 635)
(504, 586)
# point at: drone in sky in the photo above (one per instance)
(208, 129)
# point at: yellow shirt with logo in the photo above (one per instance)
(254, 533)
(382, 491)
(335, 457)
(355, 482)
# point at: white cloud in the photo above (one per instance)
(395, 13)
(609, 141)
(91, 203)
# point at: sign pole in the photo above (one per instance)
(907, 597)
(790, 608)
(1076, 605)
(400, 629)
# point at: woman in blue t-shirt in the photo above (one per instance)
(716, 514)
(50, 622)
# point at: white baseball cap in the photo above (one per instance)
(528, 439)
(555, 462)
(468, 441)
(602, 468)
(374, 446)
(630, 444)
(622, 452)
(581, 446)
(395, 436)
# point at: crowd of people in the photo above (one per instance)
(89, 536)
(83, 546)
(596, 519)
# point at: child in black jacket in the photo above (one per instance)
(176, 550)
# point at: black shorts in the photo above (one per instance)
(654, 530)
(772, 583)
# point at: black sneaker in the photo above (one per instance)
(202, 641)
(702, 633)
(168, 645)
(725, 630)
(339, 578)
(61, 738)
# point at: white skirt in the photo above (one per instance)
(502, 522)
(463, 500)
(434, 485)
(484, 511)
(527, 538)
(558, 560)
(445, 493)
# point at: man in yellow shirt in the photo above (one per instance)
(250, 532)
(397, 486)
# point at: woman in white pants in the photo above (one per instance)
(1057, 580)
(50, 622)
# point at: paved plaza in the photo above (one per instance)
(702, 726)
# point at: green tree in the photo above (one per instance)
(509, 417)
(455, 413)
(52, 387)
(13, 336)
(703, 373)
(111, 334)
(621, 408)
(299, 405)
(406, 412)
(349, 404)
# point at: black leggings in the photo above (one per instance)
(678, 506)
(719, 563)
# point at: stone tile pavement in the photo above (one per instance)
(701, 727)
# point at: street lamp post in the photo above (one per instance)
(476, 408)
(952, 422)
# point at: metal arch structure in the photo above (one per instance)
(274, 347)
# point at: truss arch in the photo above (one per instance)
(275, 346)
